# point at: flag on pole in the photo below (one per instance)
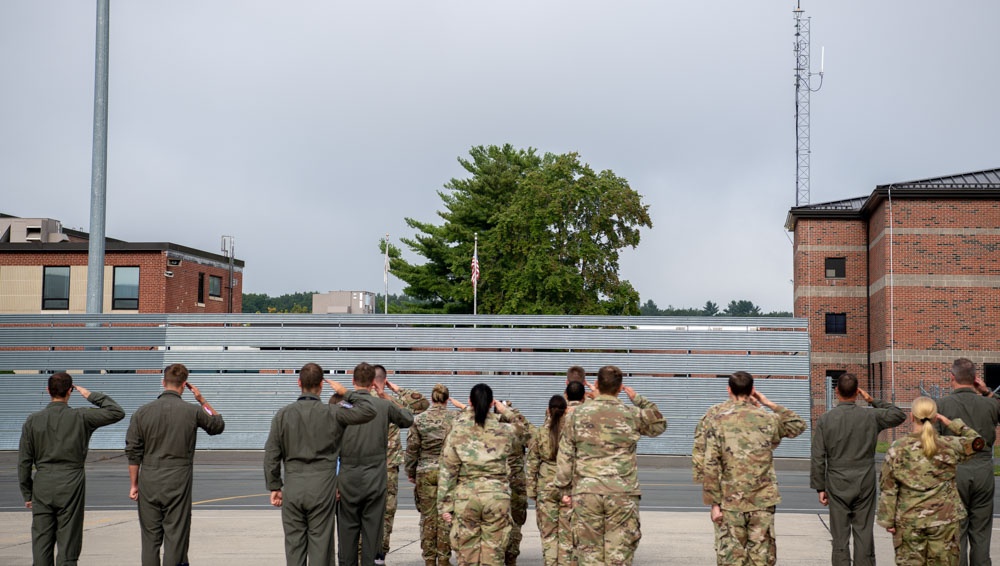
(475, 265)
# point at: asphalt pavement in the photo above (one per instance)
(233, 523)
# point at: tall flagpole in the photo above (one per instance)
(385, 275)
(475, 275)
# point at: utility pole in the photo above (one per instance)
(229, 249)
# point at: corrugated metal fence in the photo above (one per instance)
(236, 360)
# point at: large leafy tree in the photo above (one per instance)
(550, 231)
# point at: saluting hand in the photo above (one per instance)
(195, 391)
(630, 392)
(864, 395)
(83, 391)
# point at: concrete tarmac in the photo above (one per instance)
(254, 537)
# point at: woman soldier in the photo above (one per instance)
(919, 503)
(423, 449)
(542, 450)
(473, 490)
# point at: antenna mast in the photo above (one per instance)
(803, 74)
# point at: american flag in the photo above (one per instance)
(475, 267)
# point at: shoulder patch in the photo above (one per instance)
(346, 405)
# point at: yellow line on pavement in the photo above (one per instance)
(230, 498)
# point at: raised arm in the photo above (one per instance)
(107, 411)
(651, 420)
(357, 408)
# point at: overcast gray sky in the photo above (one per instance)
(308, 129)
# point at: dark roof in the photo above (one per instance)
(978, 184)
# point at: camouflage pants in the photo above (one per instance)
(390, 507)
(605, 528)
(518, 515)
(433, 531)
(746, 538)
(480, 528)
(553, 520)
(933, 546)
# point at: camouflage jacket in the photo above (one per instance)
(524, 430)
(414, 402)
(921, 493)
(738, 473)
(698, 449)
(425, 439)
(541, 465)
(474, 460)
(597, 445)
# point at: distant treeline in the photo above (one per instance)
(288, 303)
(302, 303)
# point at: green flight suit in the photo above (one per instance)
(362, 482)
(305, 436)
(843, 465)
(975, 477)
(161, 441)
(55, 441)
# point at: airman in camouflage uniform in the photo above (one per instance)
(698, 456)
(738, 476)
(518, 482)
(597, 462)
(416, 403)
(473, 493)
(576, 394)
(919, 503)
(423, 450)
(557, 543)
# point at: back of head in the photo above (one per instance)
(481, 398)
(847, 385)
(964, 371)
(336, 398)
(557, 408)
(311, 377)
(175, 375)
(924, 411)
(60, 384)
(576, 374)
(575, 391)
(741, 383)
(379, 374)
(364, 374)
(440, 394)
(609, 380)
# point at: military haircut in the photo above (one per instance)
(381, 367)
(741, 383)
(336, 398)
(481, 399)
(576, 374)
(364, 374)
(440, 394)
(311, 377)
(964, 371)
(60, 384)
(575, 391)
(847, 385)
(175, 375)
(609, 380)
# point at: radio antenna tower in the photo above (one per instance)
(803, 74)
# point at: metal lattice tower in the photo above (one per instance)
(802, 92)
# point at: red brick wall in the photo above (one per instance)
(182, 288)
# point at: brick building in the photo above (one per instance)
(43, 269)
(898, 284)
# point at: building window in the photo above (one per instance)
(836, 267)
(215, 286)
(55, 288)
(125, 292)
(201, 288)
(834, 376)
(836, 323)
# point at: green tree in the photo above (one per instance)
(649, 308)
(550, 230)
(289, 302)
(741, 308)
(710, 309)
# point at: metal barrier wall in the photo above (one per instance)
(235, 360)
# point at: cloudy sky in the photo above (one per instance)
(308, 129)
